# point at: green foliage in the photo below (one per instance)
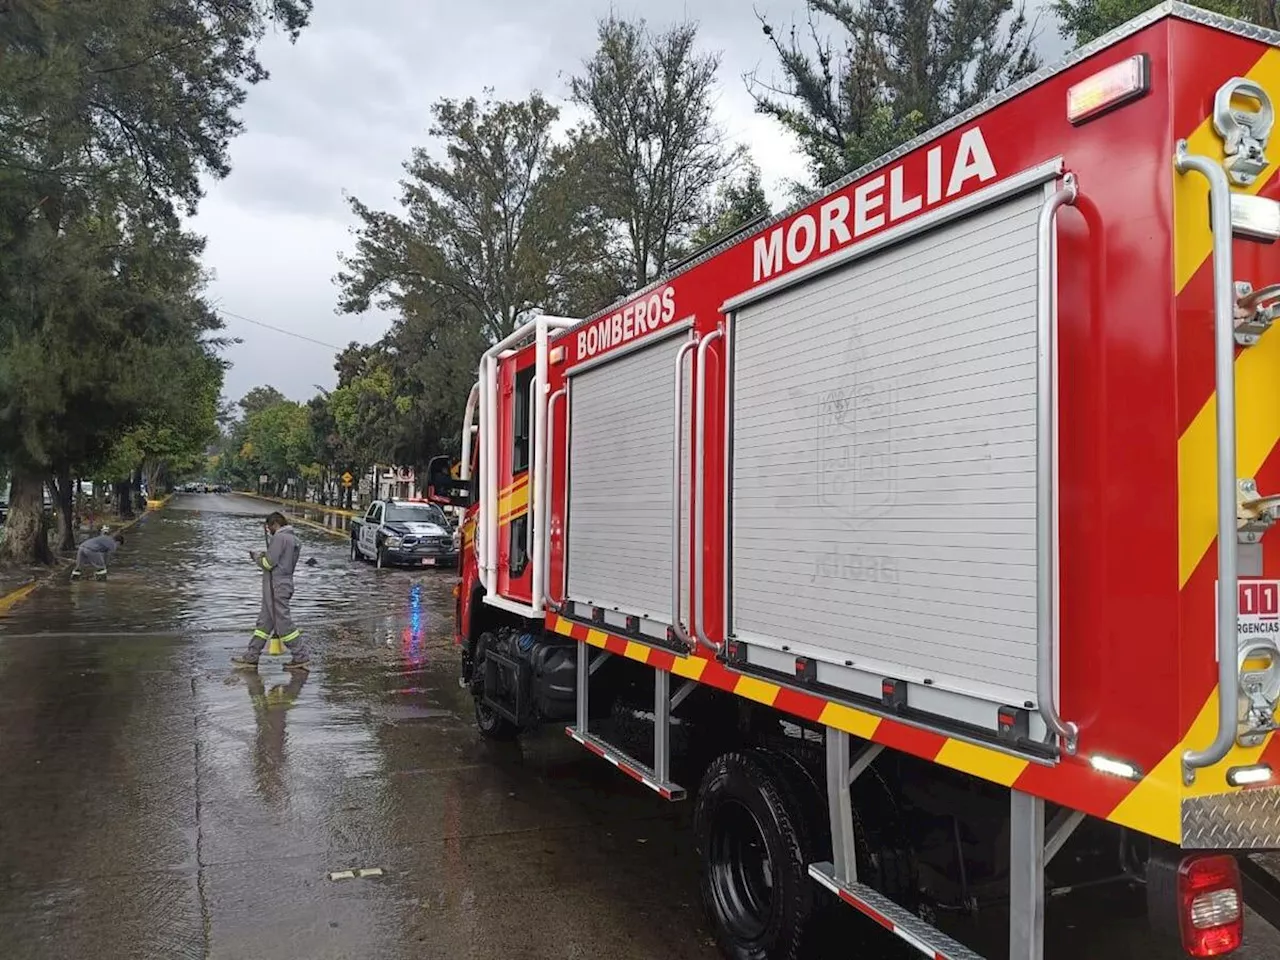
(495, 228)
(659, 152)
(738, 202)
(1083, 20)
(279, 437)
(111, 112)
(894, 69)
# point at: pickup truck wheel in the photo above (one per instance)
(755, 841)
(381, 561)
(355, 549)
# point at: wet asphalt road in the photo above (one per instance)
(156, 803)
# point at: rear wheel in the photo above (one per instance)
(755, 841)
(355, 549)
(491, 724)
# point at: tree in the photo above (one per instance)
(1081, 21)
(495, 228)
(738, 202)
(279, 438)
(650, 99)
(110, 113)
(898, 68)
(176, 432)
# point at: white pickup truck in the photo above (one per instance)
(404, 533)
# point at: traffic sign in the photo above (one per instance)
(346, 479)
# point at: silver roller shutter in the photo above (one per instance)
(620, 465)
(884, 460)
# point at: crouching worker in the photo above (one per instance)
(274, 619)
(94, 552)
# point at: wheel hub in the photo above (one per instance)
(742, 875)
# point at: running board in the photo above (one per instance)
(629, 765)
(896, 919)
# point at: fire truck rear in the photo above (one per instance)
(922, 531)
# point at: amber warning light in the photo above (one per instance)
(1109, 88)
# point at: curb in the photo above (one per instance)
(340, 534)
(292, 504)
(15, 597)
(340, 511)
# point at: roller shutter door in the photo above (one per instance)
(620, 465)
(884, 460)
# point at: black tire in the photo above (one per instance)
(355, 549)
(755, 842)
(493, 725)
(886, 860)
(381, 559)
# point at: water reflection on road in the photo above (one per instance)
(159, 804)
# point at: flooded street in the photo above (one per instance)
(157, 803)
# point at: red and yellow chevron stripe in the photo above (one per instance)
(1078, 785)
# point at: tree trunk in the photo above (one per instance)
(25, 540)
(151, 476)
(124, 499)
(63, 501)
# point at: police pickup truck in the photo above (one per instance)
(404, 532)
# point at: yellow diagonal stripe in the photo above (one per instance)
(1154, 806)
(689, 667)
(849, 720)
(1257, 431)
(1192, 240)
(758, 690)
(597, 638)
(1257, 369)
(636, 651)
(987, 764)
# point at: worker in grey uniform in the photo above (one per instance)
(94, 552)
(278, 562)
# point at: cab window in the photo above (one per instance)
(520, 406)
(372, 515)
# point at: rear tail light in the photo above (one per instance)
(1210, 905)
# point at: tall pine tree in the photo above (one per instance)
(862, 76)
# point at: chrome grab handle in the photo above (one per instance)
(699, 484)
(1225, 390)
(546, 501)
(677, 496)
(1046, 562)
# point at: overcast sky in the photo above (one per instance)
(345, 106)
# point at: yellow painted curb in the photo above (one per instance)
(340, 511)
(11, 600)
(343, 534)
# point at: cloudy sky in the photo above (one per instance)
(347, 103)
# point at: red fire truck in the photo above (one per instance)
(924, 527)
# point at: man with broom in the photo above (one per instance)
(275, 622)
